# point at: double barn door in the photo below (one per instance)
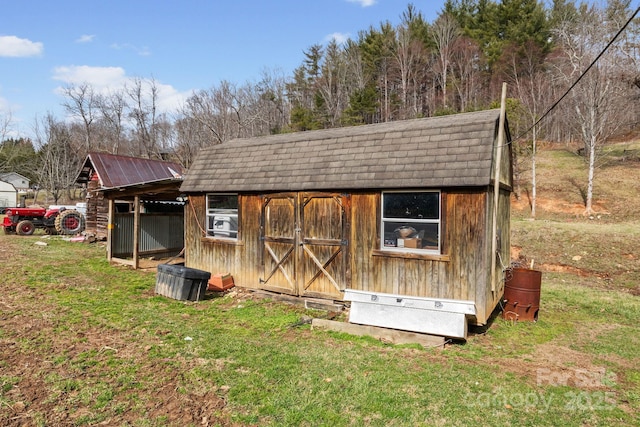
(305, 244)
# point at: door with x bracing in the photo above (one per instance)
(305, 244)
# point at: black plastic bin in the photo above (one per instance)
(181, 283)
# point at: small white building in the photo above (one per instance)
(8, 196)
(20, 182)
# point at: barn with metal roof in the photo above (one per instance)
(131, 202)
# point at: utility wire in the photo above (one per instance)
(555, 104)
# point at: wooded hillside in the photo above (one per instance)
(455, 63)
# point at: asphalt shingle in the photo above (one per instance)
(434, 152)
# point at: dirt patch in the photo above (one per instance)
(41, 387)
(561, 268)
(43, 361)
(556, 365)
(34, 398)
(552, 205)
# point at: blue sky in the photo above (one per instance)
(183, 45)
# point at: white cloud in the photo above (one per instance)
(110, 79)
(98, 77)
(16, 47)
(85, 38)
(340, 38)
(142, 51)
(363, 3)
(169, 99)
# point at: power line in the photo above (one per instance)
(555, 104)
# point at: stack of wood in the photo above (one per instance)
(97, 216)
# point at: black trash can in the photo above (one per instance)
(181, 283)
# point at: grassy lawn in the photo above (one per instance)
(83, 342)
(96, 345)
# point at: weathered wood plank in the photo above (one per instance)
(459, 272)
(308, 303)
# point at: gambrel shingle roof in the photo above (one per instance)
(447, 151)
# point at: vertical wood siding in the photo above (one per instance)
(463, 241)
(241, 258)
(463, 273)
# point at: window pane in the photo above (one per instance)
(223, 201)
(223, 225)
(412, 205)
(222, 215)
(414, 235)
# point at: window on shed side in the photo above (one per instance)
(411, 221)
(222, 215)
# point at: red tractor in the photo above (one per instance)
(55, 220)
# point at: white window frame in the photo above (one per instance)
(220, 221)
(387, 246)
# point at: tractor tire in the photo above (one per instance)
(25, 228)
(9, 230)
(69, 221)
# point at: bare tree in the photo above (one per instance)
(212, 109)
(59, 163)
(409, 58)
(445, 30)
(189, 139)
(80, 103)
(355, 66)
(330, 84)
(272, 104)
(467, 63)
(527, 73)
(5, 126)
(6, 121)
(597, 102)
(112, 107)
(143, 110)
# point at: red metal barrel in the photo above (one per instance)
(522, 294)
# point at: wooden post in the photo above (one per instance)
(496, 186)
(110, 225)
(136, 230)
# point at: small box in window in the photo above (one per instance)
(413, 243)
(221, 282)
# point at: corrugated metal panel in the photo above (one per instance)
(122, 243)
(120, 171)
(158, 232)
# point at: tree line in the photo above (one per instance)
(414, 69)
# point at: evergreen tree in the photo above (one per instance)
(18, 155)
(523, 22)
(363, 106)
(378, 49)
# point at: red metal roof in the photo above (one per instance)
(120, 171)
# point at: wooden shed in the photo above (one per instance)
(105, 172)
(407, 211)
(131, 202)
